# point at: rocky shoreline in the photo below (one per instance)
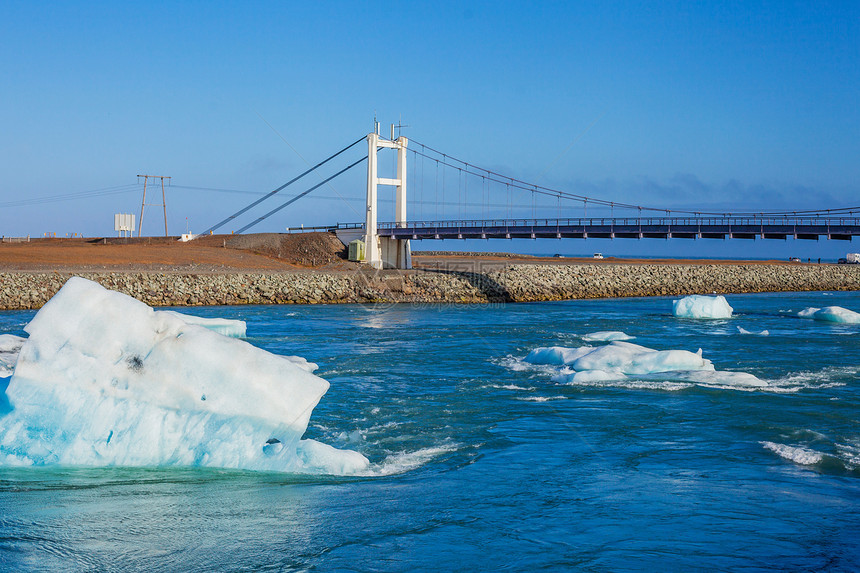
(510, 283)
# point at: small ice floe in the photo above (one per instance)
(699, 306)
(745, 331)
(621, 361)
(834, 314)
(606, 336)
(10, 347)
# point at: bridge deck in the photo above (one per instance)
(837, 228)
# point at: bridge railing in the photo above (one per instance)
(317, 229)
(744, 221)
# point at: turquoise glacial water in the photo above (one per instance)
(483, 462)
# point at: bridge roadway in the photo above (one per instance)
(836, 228)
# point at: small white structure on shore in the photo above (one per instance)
(123, 223)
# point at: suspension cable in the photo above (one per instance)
(282, 187)
(300, 195)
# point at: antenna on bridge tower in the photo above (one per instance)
(398, 127)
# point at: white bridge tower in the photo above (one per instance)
(385, 252)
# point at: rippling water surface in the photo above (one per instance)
(481, 461)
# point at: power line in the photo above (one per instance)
(105, 191)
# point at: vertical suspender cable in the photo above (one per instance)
(465, 189)
(443, 186)
(459, 194)
(437, 189)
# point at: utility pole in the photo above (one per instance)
(143, 203)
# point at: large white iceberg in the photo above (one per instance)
(105, 380)
(835, 314)
(620, 360)
(698, 306)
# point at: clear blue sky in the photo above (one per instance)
(720, 105)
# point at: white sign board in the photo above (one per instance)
(123, 222)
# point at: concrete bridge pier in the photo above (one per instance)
(386, 252)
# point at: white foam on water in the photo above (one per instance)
(225, 326)
(606, 336)
(541, 398)
(832, 314)
(633, 384)
(760, 333)
(105, 380)
(407, 461)
(796, 454)
(510, 387)
(516, 364)
(10, 347)
(825, 378)
(849, 453)
(699, 306)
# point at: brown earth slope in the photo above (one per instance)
(213, 253)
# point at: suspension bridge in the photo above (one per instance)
(447, 206)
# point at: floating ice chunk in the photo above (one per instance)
(225, 326)
(606, 336)
(698, 306)
(628, 358)
(317, 457)
(796, 454)
(556, 355)
(105, 380)
(745, 331)
(10, 347)
(835, 314)
(620, 361)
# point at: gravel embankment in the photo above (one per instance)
(513, 283)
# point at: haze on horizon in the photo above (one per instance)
(719, 106)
